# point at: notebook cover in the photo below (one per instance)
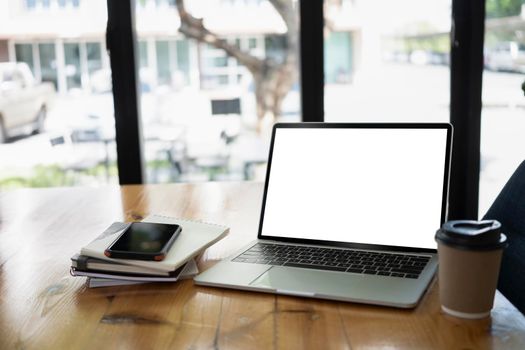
(86, 263)
(190, 269)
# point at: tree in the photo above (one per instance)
(503, 8)
(272, 78)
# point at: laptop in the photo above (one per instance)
(349, 213)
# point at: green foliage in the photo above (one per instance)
(436, 43)
(159, 164)
(495, 37)
(55, 176)
(503, 8)
(439, 44)
(46, 176)
(42, 176)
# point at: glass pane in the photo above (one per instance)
(502, 116)
(24, 53)
(163, 62)
(183, 61)
(143, 54)
(56, 106)
(30, 4)
(338, 65)
(72, 58)
(48, 64)
(94, 57)
(390, 64)
(208, 101)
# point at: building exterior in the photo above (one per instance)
(63, 41)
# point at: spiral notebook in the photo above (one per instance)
(195, 237)
(106, 279)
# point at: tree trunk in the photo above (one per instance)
(271, 87)
(272, 80)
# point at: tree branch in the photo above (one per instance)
(272, 79)
(194, 28)
(285, 9)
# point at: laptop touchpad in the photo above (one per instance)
(300, 280)
(314, 282)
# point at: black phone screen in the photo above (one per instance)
(144, 237)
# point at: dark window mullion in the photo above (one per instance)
(121, 41)
(466, 71)
(312, 60)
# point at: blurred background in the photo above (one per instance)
(207, 102)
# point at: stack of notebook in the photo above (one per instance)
(179, 263)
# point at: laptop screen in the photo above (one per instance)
(379, 185)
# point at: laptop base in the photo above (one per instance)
(331, 285)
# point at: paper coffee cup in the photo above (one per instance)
(469, 262)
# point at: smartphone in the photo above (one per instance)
(144, 241)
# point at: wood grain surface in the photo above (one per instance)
(43, 307)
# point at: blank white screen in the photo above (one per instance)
(373, 186)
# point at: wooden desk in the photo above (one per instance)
(43, 307)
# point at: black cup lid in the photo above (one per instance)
(472, 235)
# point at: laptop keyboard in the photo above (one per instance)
(332, 259)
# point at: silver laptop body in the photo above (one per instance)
(349, 213)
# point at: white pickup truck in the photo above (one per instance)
(23, 102)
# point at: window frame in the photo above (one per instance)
(466, 69)
(122, 45)
(466, 74)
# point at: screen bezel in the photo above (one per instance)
(309, 125)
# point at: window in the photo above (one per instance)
(401, 60)
(94, 57)
(48, 4)
(183, 60)
(57, 129)
(67, 3)
(163, 62)
(24, 53)
(252, 43)
(503, 122)
(48, 63)
(339, 65)
(202, 107)
(143, 54)
(30, 4)
(200, 115)
(72, 59)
